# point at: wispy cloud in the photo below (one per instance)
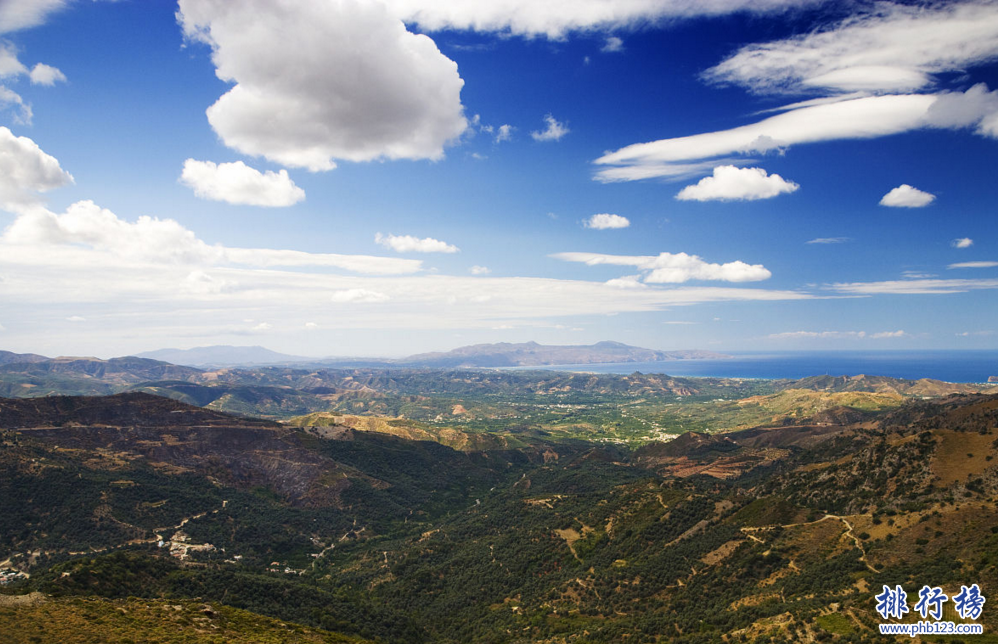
(554, 131)
(865, 117)
(504, 133)
(885, 47)
(973, 265)
(837, 335)
(555, 20)
(613, 44)
(914, 286)
(963, 242)
(829, 240)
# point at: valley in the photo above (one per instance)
(486, 506)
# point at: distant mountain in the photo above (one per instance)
(527, 354)
(116, 371)
(223, 356)
(882, 384)
(7, 357)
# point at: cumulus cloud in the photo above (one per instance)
(361, 295)
(962, 242)
(973, 265)
(604, 221)
(410, 244)
(886, 48)
(553, 132)
(356, 85)
(479, 270)
(863, 117)
(669, 268)
(557, 18)
(828, 240)
(729, 183)
(905, 196)
(85, 225)
(237, 183)
(26, 171)
(613, 44)
(42, 74)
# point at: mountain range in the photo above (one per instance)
(501, 354)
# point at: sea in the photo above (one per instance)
(949, 366)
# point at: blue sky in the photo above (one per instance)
(384, 178)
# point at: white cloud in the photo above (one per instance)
(669, 268)
(613, 44)
(914, 286)
(12, 100)
(76, 318)
(973, 265)
(356, 85)
(865, 117)
(886, 48)
(26, 171)
(556, 18)
(2, 328)
(479, 270)
(10, 66)
(85, 225)
(604, 221)
(729, 183)
(42, 74)
(905, 196)
(21, 14)
(311, 325)
(410, 244)
(628, 281)
(359, 295)
(962, 242)
(916, 275)
(970, 334)
(504, 133)
(554, 131)
(829, 240)
(237, 183)
(890, 334)
(837, 335)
